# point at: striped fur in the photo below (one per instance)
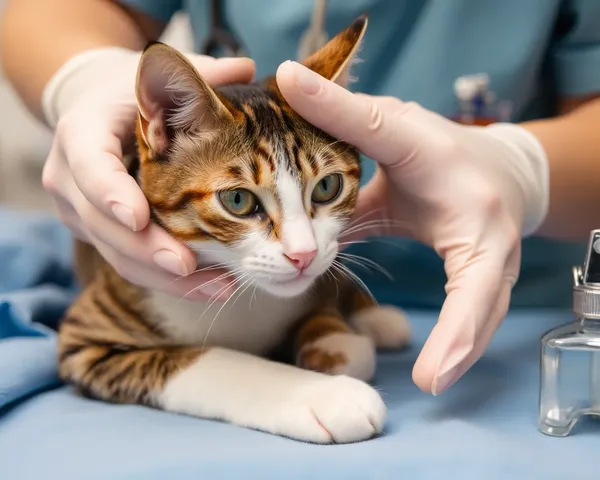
(121, 343)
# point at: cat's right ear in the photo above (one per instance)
(334, 60)
(172, 96)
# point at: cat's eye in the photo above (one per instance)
(240, 202)
(327, 189)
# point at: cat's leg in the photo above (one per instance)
(222, 384)
(386, 325)
(326, 343)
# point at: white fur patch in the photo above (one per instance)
(252, 322)
(297, 231)
(252, 392)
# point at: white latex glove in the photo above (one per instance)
(91, 103)
(469, 192)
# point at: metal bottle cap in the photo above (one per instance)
(586, 290)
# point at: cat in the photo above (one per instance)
(244, 181)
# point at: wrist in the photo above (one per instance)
(80, 72)
(527, 163)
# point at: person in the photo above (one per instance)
(494, 215)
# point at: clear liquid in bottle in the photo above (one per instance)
(570, 355)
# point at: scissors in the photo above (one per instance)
(220, 39)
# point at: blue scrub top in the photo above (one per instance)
(533, 51)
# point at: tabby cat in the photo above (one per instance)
(244, 181)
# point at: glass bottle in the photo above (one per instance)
(570, 354)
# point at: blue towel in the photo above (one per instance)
(484, 427)
(36, 285)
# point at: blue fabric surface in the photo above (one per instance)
(484, 427)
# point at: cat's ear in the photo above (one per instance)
(334, 60)
(172, 96)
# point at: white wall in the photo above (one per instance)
(25, 143)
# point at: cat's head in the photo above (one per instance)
(238, 176)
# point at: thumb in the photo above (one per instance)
(477, 302)
(374, 125)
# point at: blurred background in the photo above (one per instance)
(25, 142)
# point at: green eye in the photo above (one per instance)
(239, 202)
(327, 189)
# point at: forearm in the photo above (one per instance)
(39, 36)
(572, 144)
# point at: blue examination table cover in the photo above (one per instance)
(483, 428)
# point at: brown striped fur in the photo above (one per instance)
(113, 344)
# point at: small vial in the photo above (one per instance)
(570, 354)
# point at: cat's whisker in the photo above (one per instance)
(210, 282)
(223, 306)
(356, 242)
(356, 262)
(216, 266)
(384, 229)
(370, 224)
(380, 222)
(367, 261)
(330, 274)
(252, 282)
(355, 278)
(215, 296)
(370, 212)
(372, 240)
(207, 283)
(253, 297)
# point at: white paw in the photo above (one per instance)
(340, 354)
(333, 409)
(388, 326)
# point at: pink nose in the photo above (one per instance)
(301, 260)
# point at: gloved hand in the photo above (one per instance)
(471, 193)
(91, 103)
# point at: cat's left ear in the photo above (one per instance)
(172, 96)
(334, 60)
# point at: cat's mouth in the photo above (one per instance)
(301, 275)
(290, 286)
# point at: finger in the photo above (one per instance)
(499, 311)
(151, 247)
(69, 217)
(198, 285)
(497, 315)
(372, 216)
(217, 71)
(355, 119)
(472, 296)
(98, 171)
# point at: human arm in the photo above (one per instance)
(74, 27)
(572, 144)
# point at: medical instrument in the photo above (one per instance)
(570, 354)
(477, 104)
(315, 35)
(222, 41)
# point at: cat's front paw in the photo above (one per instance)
(340, 354)
(386, 325)
(337, 409)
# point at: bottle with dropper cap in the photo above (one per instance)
(570, 354)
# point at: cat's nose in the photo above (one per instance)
(301, 260)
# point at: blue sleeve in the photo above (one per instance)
(159, 9)
(576, 56)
